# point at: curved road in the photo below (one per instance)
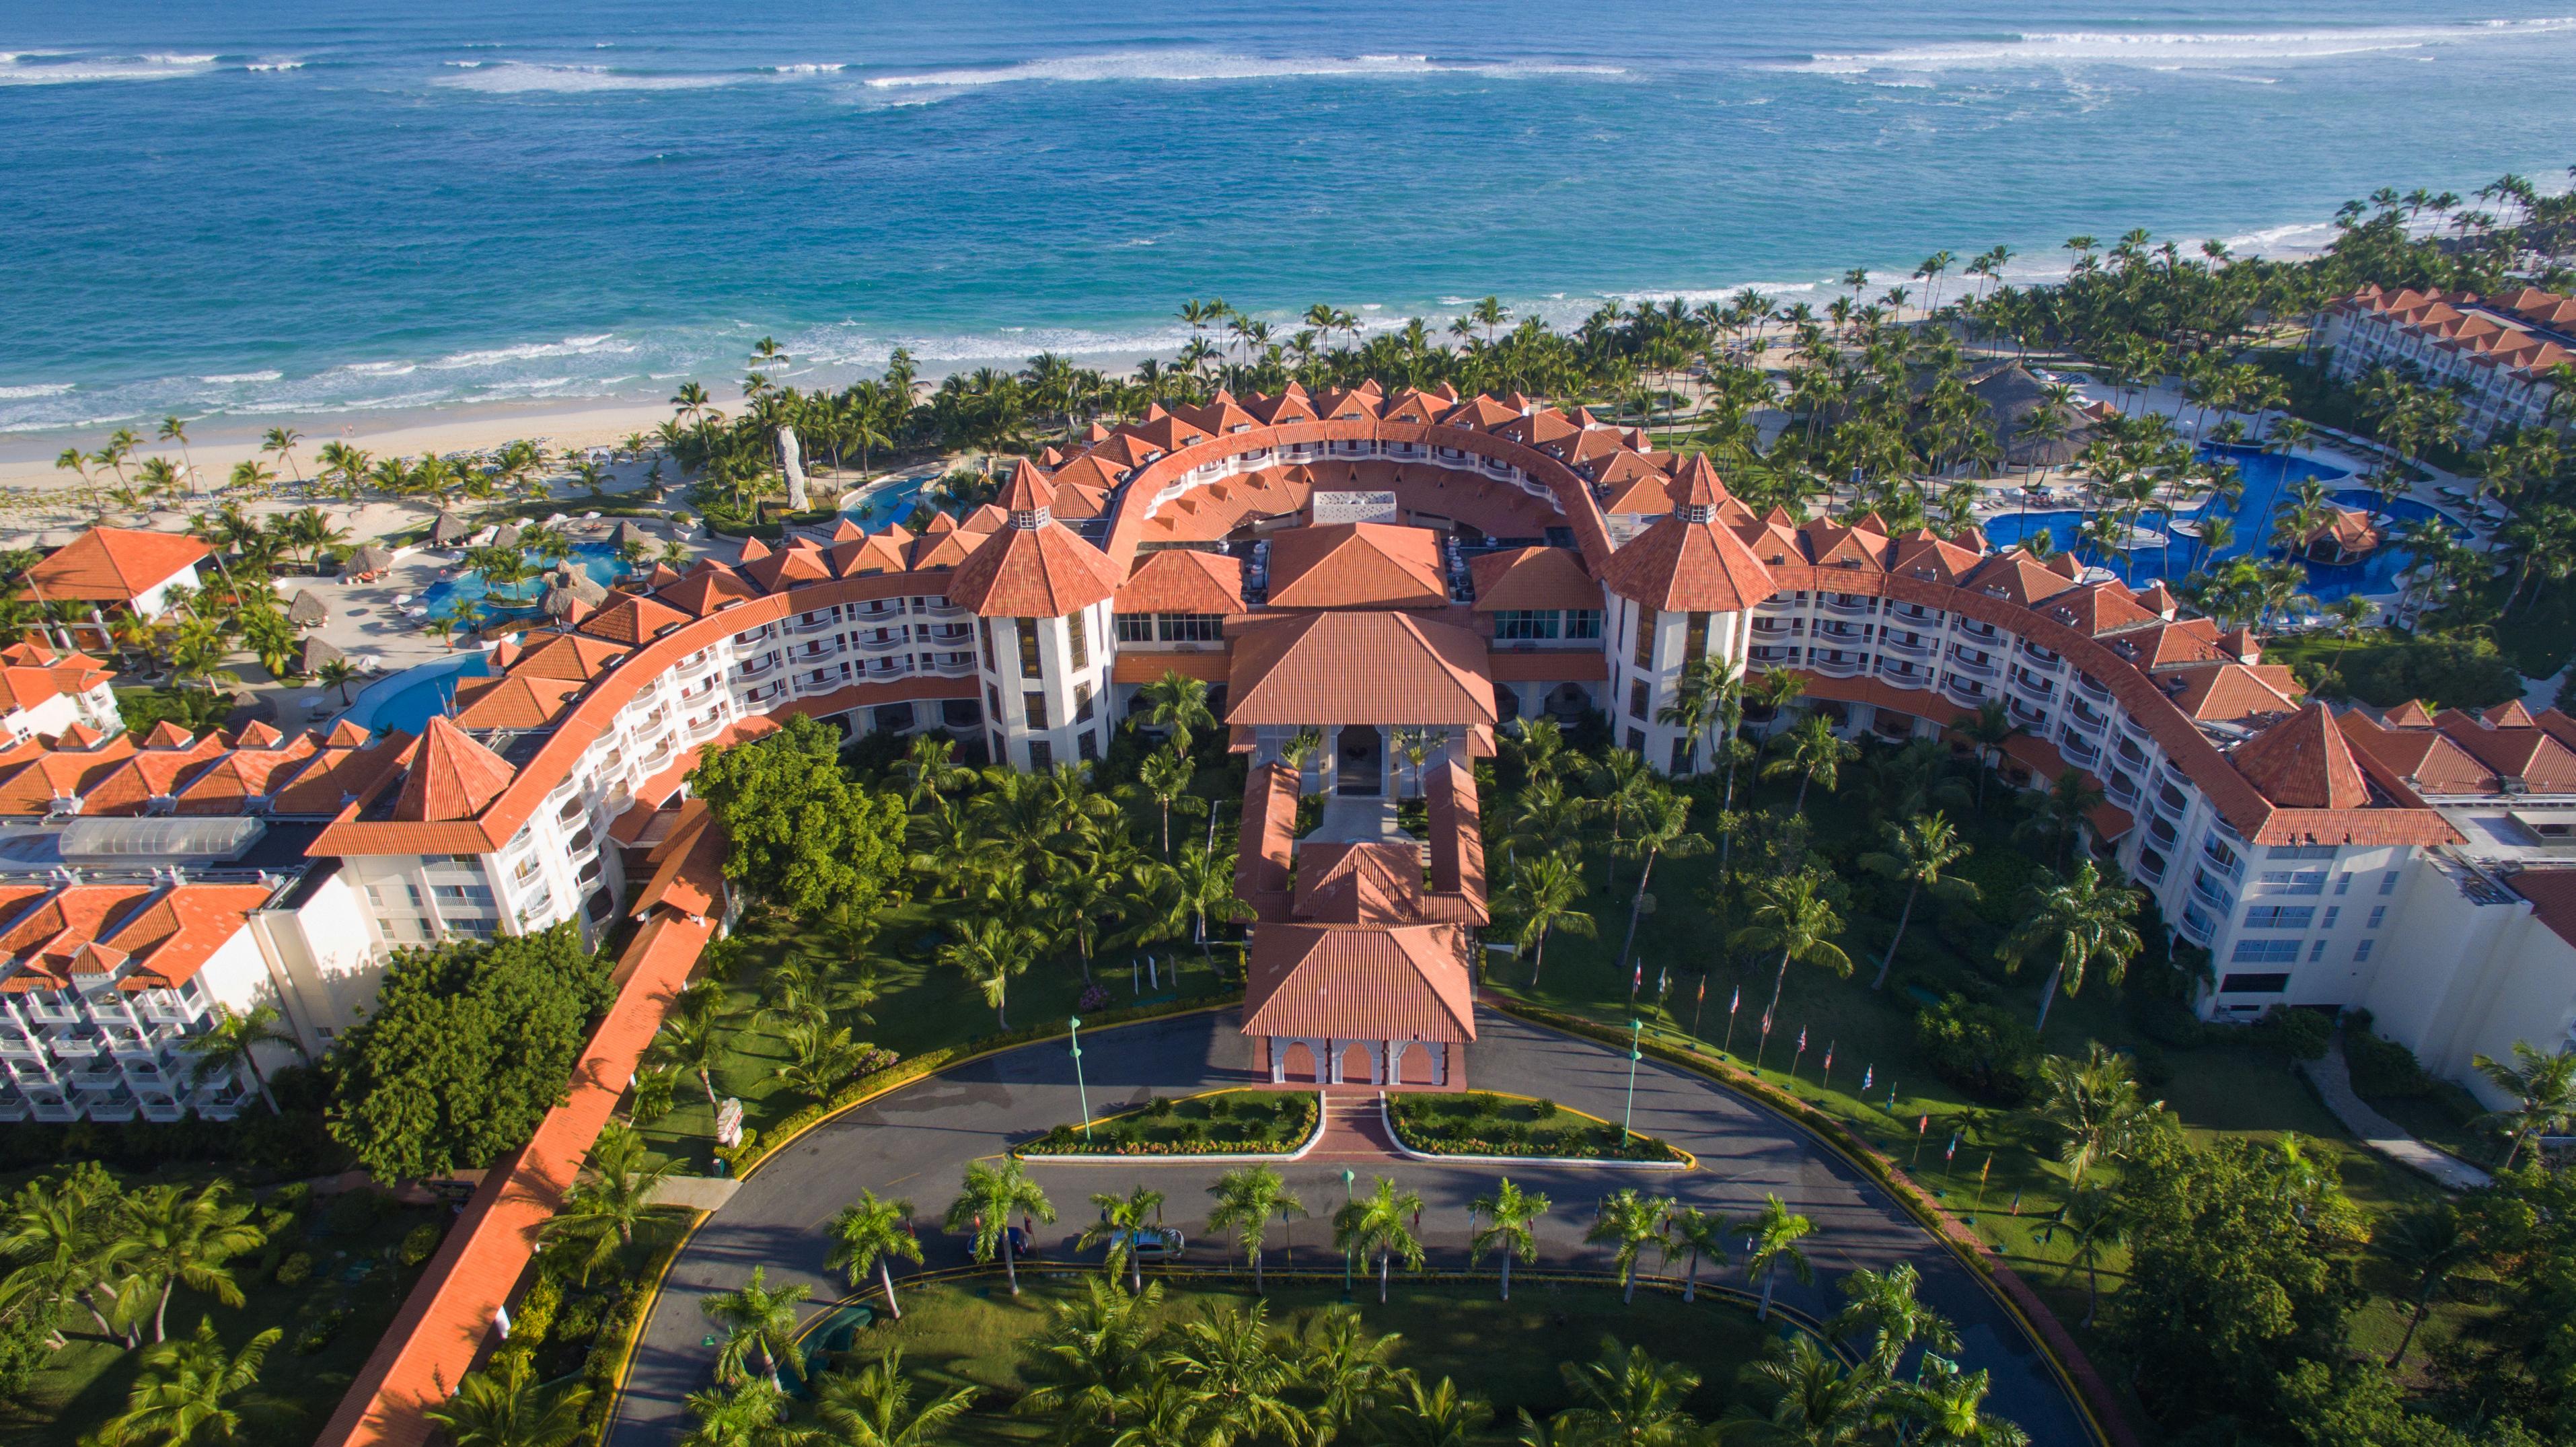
(915, 1143)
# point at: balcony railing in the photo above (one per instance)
(1969, 666)
(2207, 892)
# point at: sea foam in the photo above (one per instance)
(2178, 50)
(512, 77)
(59, 68)
(1205, 65)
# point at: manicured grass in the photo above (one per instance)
(970, 1334)
(331, 1319)
(1237, 1122)
(1480, 1123)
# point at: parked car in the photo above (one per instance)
(1160, 1244)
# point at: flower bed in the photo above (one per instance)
(1480, 1123)
(1225, 1122)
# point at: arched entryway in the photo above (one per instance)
(1359, 756)
(1358, 1066)
(1418, 1063)
(1297, 1062)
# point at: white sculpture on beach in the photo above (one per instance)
(793, 464)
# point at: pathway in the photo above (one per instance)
(914, 1144)
(2333, 1080)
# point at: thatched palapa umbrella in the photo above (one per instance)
(507, 536)
(307, 611)
(367, 561)
(449, 531)
(316, 653)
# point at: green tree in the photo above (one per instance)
(1774, 1233)
(1885, 1307)
(989, 952)
(1663, 828)
(185, 1391)
(1948, 1407)
(756, 1319)
(231, 1041)
(1092, 1353)
(2096, 1106)
(1816, 1401)
(2430, 1246)
(1918, 855)
(611, 1197)
(1699, 1235)
(2083, 920)
(874, 1408)
(800, 832)
(1810, 750)
(2543, 1087)
(1247, 1197)
(1437, 1416)
(1510, 1217)
(1377, 1223)
(1792, 915)
(1165, 777)
(1542, 894)
(991, 1195)
(469, 1045)
(1626, 1397)
(1348, 1371)
(1122, 1219)
(873, 1233)
(1178, 704)
(1237, 1375)
(1989, 729)
(1631, 1224)
(187, 1238)
(504, 1405)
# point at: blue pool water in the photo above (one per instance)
(409, 699)
(892, 505)
(468, 593)
(2269, 480)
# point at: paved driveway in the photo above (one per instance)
(915, 1144)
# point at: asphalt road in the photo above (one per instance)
(914, 1144)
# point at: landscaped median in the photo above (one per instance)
(1221, 1125)
(1483, 1126)
(2076, 1370)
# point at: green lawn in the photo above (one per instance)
(969, 1333)
(1485, 1124)
(1234, 1121)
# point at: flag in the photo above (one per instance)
(1923, 1125)
(1951, 1149)
(1984, 1170)
(1637, 981)
(1802, 1039)
(1829, 1055)
(1664, 981)
(1703, 989)
(1737, 1003)
(1867, 1073)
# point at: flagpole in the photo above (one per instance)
(1700, 1005)
(1733, 1004)
(1798, 1054)
(1827, 1079)
(1765, 1046)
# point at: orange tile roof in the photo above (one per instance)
(1032, 572)
(688, 867)
(243, 775)
(2231, 692)
(1134, 665)
(1370, 984)
(1183, 580)
(570, 656)
(2527, 752)
(708, 589)
(2552, 893)
(1533, 578)
(1358, 668)
(631, 621)
(1356, 565)
(2423, 757)
(115, 565)
(2303, 762)
(1677, 565)
(449, 776)
(514, 701)
(173, 935)
(341, 775)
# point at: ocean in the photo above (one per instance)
(319, 209)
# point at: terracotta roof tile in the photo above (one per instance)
(1183, 580)
(1378, 984)
(1680, 566)
(115, 565)
(1032, 572)
(1533, 578)
(2303, 762)
(1358, 668)
(517, 701)
(1356, 565)
(631, 621)
(450, 776)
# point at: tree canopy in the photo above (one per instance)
(802, 833)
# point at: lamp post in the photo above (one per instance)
(1347, 1178)
(1627, 1118)
(1073, 1027)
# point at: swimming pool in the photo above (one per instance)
(468, 593)
(2270, 480)
(887, 506)
(408, 700)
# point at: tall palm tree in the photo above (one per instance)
(872, 1233)
(1885, 1306)
(746, 1413)
(188, 1237)
(1246, 1200)
(874, 1408)
(1705, 702)
(1949, 1407)
(612, 1196)
(2092, 1221)
(1627, 1397)
(1540, 748)
(1792, 915)
(1990, 728)
(1773, 1235)
(692, 1040)
(2083, 920)
(756, 1319)
(1817, 1401)
(1122, 1220)
(183, 1394)
(1237, 1374)
(1918, 855)
(989, 952)
(992, 1194)
(504, 1405)
(1437, 1416)
(1543, 892)
(1177, 703)
(2096, 1104)
(1164, 777)
(1092, 1353)
(1510, 1215)
(1620, 779)
(2429, 1245)
(1206, 877)
(230, 1042)
(1663, 827)
(1347, 1369)
(1629, 1224)
(2543, 1087)
(1811, 750)
(1699, 1235)
(1377, 1222)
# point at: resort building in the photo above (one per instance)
(2496, 352)
(116, 568)
(1374, 585)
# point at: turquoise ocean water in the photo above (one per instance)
(310, 208)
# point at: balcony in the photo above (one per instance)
(2092, 687)
(1835, 663)
(2085, 716)
(881, 668)
(703, 729)
(880, 640)
(817, 648)
(2036, 687)
(1964, 664)
(1964, 690)
(2226, 861)
(1846, 605)
(765, 692)
(2079, 748)
(756, 636)
(813, 622)
(1912, 645)
(2151, 866)
(1842, 634)
(1904, 675)
(2161, 830)
(1980, 632)
(2171, 799)
(2195, 926)
(2033, 719)
(2206, 890)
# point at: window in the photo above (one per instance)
(1028, 630)
(1525, 623)
(477, 894)
(1636, 741)
(1088, 746)
(1694, 638)
(992, 660)
(1041, 755)
(2289, 881)
(2388, 882)
(1582, 622)
(1645, 639)
(2343, 882)
(1079, 633)
(2265, 952)
(1640, 700)
(2316, 951)
(1191, 627)
(2253, 984)
(1135, 627)
(1034, 704)
(1082, 703)
(2280, 916)
(2333, 911)
(1681, 756)
(2361, 952)
(2300, 851)
(993, 696)
(2378, 916)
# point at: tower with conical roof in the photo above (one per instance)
(1041, 598)
(1680, 591)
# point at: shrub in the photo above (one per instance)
(2446, 672)
(535, 1318)
(2382, 1067)
(295, 1269)
(418, 1244)
(2297, 1034)
(2171, 1023)
(1157, 1108)
(354, 1211)
(317, 1333)
(1982, 1049)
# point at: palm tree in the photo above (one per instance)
(230, 1044)
(1949, 1405)
(743, 1414)
(337, 673)
(2095, 1102)
(2543, 1088)
(989, 952)
(1885, 1306)
(2428, 1245)
(1792, 915)
(756, 1319)
(1543, 892)
(1091, 1355)
(1164, 777)
(504, 1405)
(1626, 1397)
(610, 1199)
(1918, 855)
(1347, 1369)
(1233, 1370)
(2084, 920)
(1206, 878)
(992, 1194)
(1663, 827)
(1620, 780)
(1773, 1235)
(1989, 729)
(1509, 1214)
(1819, 1402)
(874, 1408)
(183, 1393)
(1810, 750)
(2062, 814)
(692, 1040)
(187, 1237)
(1441, 1416)
(1122, 1220)
(2092, 1222)
(1377, 1222)
(1178, 703)
(1700, 1235)
(1630, 1223)
(873, 1233)
(1540, 748)
(1246, 1199)
(281, 441)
